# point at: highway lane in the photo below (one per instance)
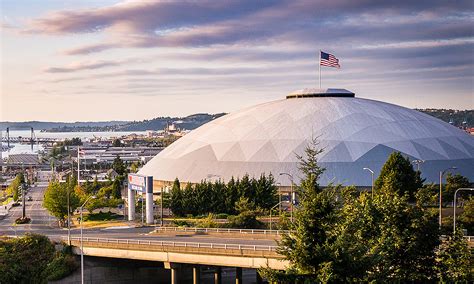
(43, 223)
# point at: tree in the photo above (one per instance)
(341, 235)
(23, 260)
(385, 239)
(13, 188)
(453, 182)
(466, 219)
(117, 143)
(405, 180)
(305, 248)
(119, 166)
(454, 260)
(117, 189)
(55, 200)
(176, 203)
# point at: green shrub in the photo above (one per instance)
(222, 216)
(181, 223)
(60, 267)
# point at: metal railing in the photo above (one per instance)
(221, 230)
(177, 244)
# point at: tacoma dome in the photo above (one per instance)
(355, 134)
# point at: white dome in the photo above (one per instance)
(354, 132)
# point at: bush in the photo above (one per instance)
(222, 216)
(245, 220)
(60, 267)
(101, 216)
(181, 223)
(22, 220)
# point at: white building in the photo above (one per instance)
(354, 133)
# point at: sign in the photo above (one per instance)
(136, 182)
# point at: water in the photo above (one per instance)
(69, 135)
(26, 148)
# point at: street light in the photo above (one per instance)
(456, 192)
(82, 253)
(441, 174)
(372, 173)
(417, 163)
(291, 194)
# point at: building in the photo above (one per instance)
(355, 133)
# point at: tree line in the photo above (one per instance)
(220, 197)
(341, 235)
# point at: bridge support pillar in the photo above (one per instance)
(196, 275)
(238, 275)
(174, 267)
(149, 200)
(131, 204)
(174, 275)
(218, 275)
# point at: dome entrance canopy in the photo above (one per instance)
(314, 93)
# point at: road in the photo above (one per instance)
(43, 223)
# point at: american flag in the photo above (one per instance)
(329, 60)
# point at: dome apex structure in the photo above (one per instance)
(355, 133)
(312, 92)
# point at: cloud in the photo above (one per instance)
(205, 23)
(90, 65)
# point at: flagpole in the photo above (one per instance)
(320, 68)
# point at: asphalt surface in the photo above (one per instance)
(43, 223)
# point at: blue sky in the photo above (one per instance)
(105, 60)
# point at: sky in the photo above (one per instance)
(132, 60)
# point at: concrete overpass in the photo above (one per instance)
(176, 254)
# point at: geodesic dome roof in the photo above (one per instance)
(354, 132)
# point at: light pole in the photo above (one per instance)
(456, 192)
(291, 194)
(68, 217)
(271, 214)
(82, 253)
(372, 174)
(441, 174)
(417, 163)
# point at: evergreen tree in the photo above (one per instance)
(176, 202)
(314, 218)
(119, 166)
(231, 196)
(405, 180)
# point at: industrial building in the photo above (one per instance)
(355, 133)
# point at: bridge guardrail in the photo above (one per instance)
(177, 244)
(221, 230)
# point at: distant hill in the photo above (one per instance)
(458, 118)
(189, 122)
